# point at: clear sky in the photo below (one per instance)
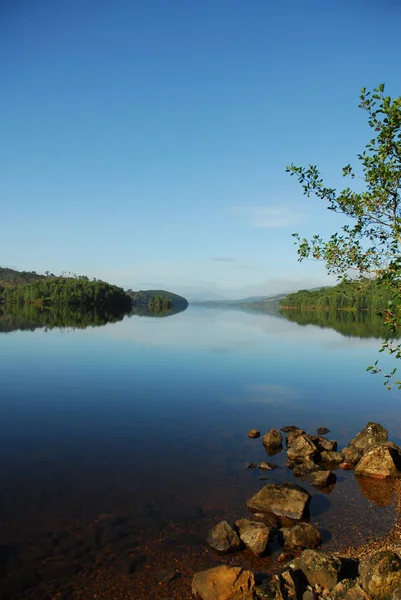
(145, 141)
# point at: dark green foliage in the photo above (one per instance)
(12, 276)
(28, 317)
(160, 303)
(67, 290)
(363, 324)
(357, 295)
(144, 298)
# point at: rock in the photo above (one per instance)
(292, 436)
(285, 557)
(303, 535)
(253, 433)
(291, 428)
(381, 574)
(251, 465)
(270, 589)
(290, 464)
(273, 438)
(308, 466)
(293, 584)
(224, 583)
(165, 576)
(322, 430)
(308, 595)
(379, 461)
(323, 444)
(255, 535)
(351, 455)
(396, 594)
(346, 466)
(301, 448)
(267, 466)
(332, 457)
(318, 567)
(370, 434)
(322, 479)
(223, 538)
(348, 589)
(282, 499)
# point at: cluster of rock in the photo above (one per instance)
(279, 510)
(312, 575)
(369, 453)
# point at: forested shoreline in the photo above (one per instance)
(354, 295)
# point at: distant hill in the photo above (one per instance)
(144, 297)
(251, 302)
(207, 296)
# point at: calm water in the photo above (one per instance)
(146, 419)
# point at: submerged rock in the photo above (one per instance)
(223, 538)
(301, 448)
(322, 479)
(224, 583)
(291, 428)
(379, 461)
(381, 574)
(303, 535)
(322, 430)
(253, 433)
(255, 535)
(319, 568)
(282, 499)
(372, 433)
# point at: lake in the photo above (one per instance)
(123, 443)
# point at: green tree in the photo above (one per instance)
(369, 247)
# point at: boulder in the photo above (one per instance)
(303, 535)
(224, 583)
(348, 589)
(273, 438)
(323, 444)
(319, 568)
(322, 479)
(351, 455)
(292, 436)
(379, 461)
(223, 538)
(253, 433)
(332, 457)
(308, 466)
(381, 574)
(322, 430)
(282, 499)
(301, 448)
(270, 589)
(255, 535)
(370, 434)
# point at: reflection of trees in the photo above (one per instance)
(29, 317)
(363, 324)
(146, 311)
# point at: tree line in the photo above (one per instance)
(348, 295)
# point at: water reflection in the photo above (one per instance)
(363, 324)
(28, 317)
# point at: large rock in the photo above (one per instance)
(223, 538)
(283, 499)
(379, 461)
(224, 583)
(292, 436)
(370, 434)
(348, 589)
(301, 448)
(332, 457)
(381, 574)
(351, 455)
(255, 535)
(323, 444)
(303, 535)
(319, 568)
(322, 479)
(272, 438)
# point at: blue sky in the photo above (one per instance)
(145, 142)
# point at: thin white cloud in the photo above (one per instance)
(267, 217)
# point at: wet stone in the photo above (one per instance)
(301, 448)
(322, 430)
(224, 583)
(303, 535)
(253, 433)
(332, 457)
(255, 535)
(273, 438)
(322, 479)
(285, 499)
(291, 428)
(381, 574)
(318, 567)
(223, 538)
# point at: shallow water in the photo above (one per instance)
(130, 440)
